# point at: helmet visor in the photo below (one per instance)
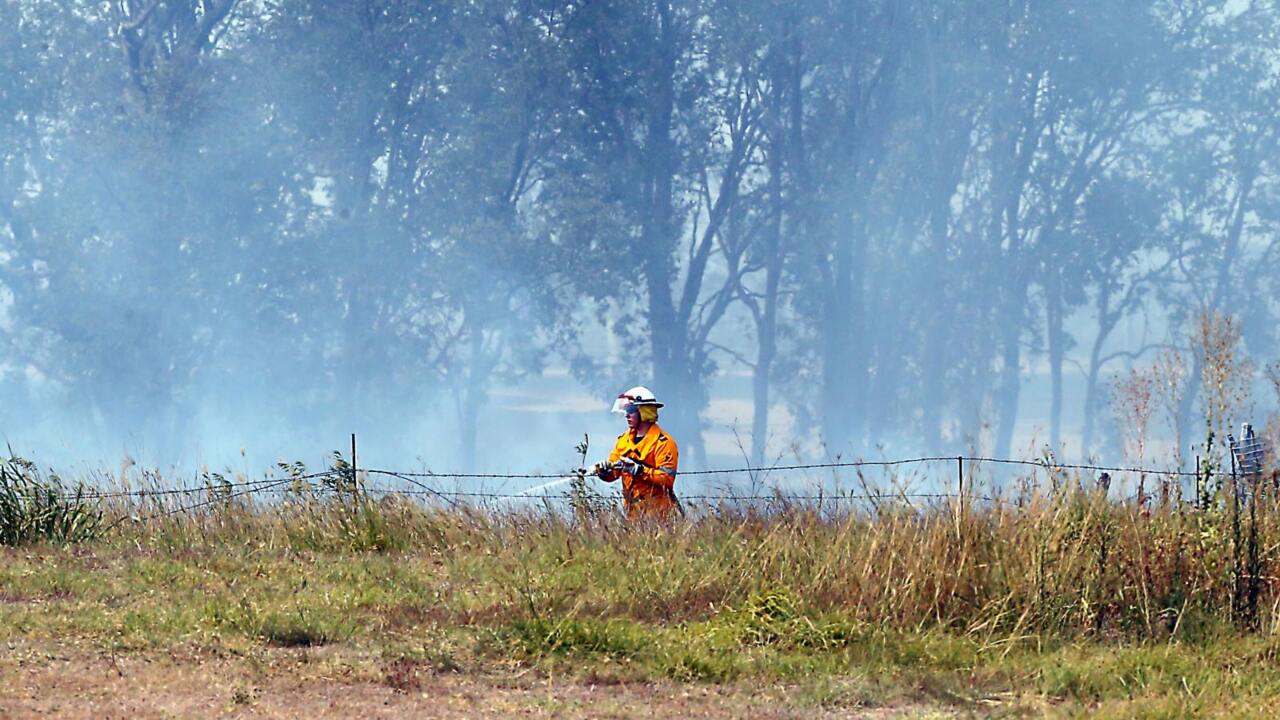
(620, 405)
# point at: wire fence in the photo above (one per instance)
(214, 486)
(419, 484)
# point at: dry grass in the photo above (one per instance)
(1068, 563)
(1047, 596)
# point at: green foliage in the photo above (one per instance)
(39, 508)
(689, 666)
(347, 523)
(618, 639)
(773, 618)
(341, 480)
(304, 627)
(766, 599)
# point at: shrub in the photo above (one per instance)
(36, 508)
(303, 627)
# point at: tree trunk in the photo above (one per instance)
(760, 393)
(767, 328)
(837, 352)
(948, 167)
(1056, 339)
(1219, 298)
(473, 398)
(1010, 386)
(1091, 397)
(673, 376)
(1106, 323)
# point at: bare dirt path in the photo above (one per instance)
(82, 683)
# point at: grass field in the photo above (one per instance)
(1055, 603)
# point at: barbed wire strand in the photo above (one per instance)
(212, 487)
(271, 485)
(1040, 464)
(448, 496)
(196, 506)
(776, 497)
(425, 489)
(1097, 468)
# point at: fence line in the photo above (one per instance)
(778, 497)
(453, 496)
(205, 503)
(775, 497)
(212, 487)
(1043, 465)
(686, 473)
(222, 491)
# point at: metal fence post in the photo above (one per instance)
(1199, 493)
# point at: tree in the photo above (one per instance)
(126, 161)
(1222, 213)
(664, 130)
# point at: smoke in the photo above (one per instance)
(872, 231)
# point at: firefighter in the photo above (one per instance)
(644, 459)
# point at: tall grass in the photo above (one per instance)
(35, 507)
(1065, 562)
(1058, 589)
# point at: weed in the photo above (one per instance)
(616, 639)
(401, 675)
(35, 508)
(689, 666)
(773, 618)
(302, 628)
(242, 696)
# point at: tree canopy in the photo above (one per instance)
(891, 216)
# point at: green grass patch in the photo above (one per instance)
(303, 627)
(40, 508)
(990, 614)
(614, 638)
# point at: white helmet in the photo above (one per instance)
(638, 395)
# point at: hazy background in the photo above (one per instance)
(235, 231)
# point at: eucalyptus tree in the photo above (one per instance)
(664, 126)
(486, 152)
(339, 81)
(944, 66)
(420, 131)
(763, 233)
(118, 219)
(32, 34)
(1126, 263)
(1220, 166)
(1069, 87)
(836, 66)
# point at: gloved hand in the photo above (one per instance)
(601, 470)
(629, 466)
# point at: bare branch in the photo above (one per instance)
(136, 23)
(1135, 354)
(215, 13)
(731, 353)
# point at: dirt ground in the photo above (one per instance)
(70, 682)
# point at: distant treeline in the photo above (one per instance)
(886, 210)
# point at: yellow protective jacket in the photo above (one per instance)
(650, 493)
